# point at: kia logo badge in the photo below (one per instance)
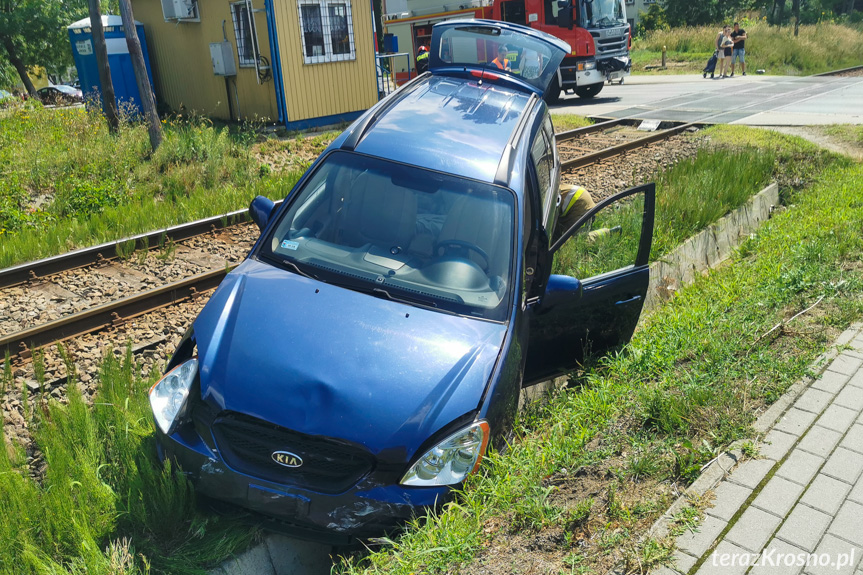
(287, 458)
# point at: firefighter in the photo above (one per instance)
(422, 60)
(575, 201)
(501, 61)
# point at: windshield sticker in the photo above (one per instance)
(289, 245)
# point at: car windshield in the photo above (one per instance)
(499, 50)
(66, 89)
(604, 13)
(400, 232)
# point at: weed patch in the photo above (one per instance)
(66, 182)
(818, 48)
(103, 504)
(690, 196)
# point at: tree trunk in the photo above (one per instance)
(109, 100)
(795, 6)
(15, 60)
(148, 100)
(780, 17)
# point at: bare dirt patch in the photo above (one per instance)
(818, 136)
(607, 515)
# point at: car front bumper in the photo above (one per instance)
(369, 508)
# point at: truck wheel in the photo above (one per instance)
(553, 94)
(589, 91)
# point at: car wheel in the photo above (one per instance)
(589, 91)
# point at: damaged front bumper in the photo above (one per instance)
(373, 506)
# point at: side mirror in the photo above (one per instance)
(564, 13)
(560, 289)
(261, 209)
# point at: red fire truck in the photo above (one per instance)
(596, 30)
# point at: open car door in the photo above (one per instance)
(593, 302)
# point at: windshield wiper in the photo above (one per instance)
(381, 292)
(297, 269)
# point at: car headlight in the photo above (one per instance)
(582, 66)
(168, 397)
(451, 460)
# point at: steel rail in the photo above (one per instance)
(21, 343)
(597, 156)
(28, 271)
(570, 134)
(836, 72)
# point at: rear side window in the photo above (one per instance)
(542, 155)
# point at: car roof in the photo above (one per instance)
(455, 125)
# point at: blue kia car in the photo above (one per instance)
(356, 366)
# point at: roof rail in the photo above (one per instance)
(383, 106)
(504, 168)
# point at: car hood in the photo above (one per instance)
(328, 361)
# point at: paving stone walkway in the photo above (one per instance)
(798, 508)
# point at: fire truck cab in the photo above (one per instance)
(596, 30)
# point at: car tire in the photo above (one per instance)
(589, 91)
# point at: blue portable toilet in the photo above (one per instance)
(122, 73)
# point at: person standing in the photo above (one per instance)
(738, 36)
(724, 45)
(501, 60)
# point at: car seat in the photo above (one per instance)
(376, 211)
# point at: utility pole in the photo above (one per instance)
(109, 101)
(148, 101)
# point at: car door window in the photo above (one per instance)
(607, 242)
(599, 280)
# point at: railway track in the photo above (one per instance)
(604, 140)
(852, 72)
(83, 291)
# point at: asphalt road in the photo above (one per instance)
(753, 100)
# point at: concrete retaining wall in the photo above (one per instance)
(708, 248)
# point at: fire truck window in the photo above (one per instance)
(513, 11)
(551, 12)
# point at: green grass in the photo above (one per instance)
(817, 48)
(687, 385)
(690, 196)
(565, 122)
(104, 505)
(847, 133)
(97, 187)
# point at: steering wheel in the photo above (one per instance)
(445, 244)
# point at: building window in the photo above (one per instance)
(247, 43)
(327, 31)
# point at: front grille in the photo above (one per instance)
(329, 466)
(610, 45)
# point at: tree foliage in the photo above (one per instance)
(779, 12)
(654, 19)
(33, 32)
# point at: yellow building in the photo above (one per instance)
(301, 63)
